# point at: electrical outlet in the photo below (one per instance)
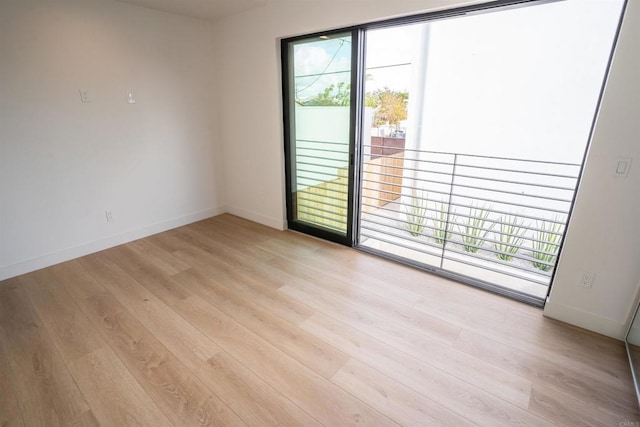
(109, 216)
(587, 279)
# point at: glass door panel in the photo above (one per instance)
(474, 132)
(319, 134)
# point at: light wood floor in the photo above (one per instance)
(225, 322)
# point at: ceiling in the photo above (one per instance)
(207, 9)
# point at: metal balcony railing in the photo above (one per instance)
(492, 217)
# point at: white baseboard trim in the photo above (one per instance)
(583, 319)
(50, 259)
(277, 223)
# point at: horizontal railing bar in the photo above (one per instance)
(555, 199)
(466, 176)
(495, 261)
(455, 194)
(403, 237)
(446, 193)
(529, 239)
(521, 205)
(346, 161)
(403, 187)
(421, 170)
(515, 182)
(321, 210)
(322, 224)
(470, 207)
(457, 214)
(437, 254)
(340, 199)
(520, 215)
(333, 191)
(512, 159)
(333, 175)
(517, 171)
(392, 156)
(396, 227)
(411, 149)
(475, 167)
(339, 191)
(499, 262)
(502, 262)
(469, 186)
(326, 73)
(506, 273)
(317, 165)
(490, 229)
(418, 249)
(482, 157)
(459, 222)
(531, 280)
(328, 189)
(322, 142)
(304, 207)
(466, 197)
(403, 177)
(462, 234)
(322, 149)
(322, 203)
(563, 223)
(447, 248)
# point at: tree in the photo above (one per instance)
(331, 96)
(390, 106)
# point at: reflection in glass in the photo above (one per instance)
(321, 130)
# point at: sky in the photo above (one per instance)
(331, 58)
(388, 47)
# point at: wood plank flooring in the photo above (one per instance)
(227, 322)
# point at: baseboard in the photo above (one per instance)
(50, 259)
(277, 223)
(583, 319)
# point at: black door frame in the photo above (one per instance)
(289, 134)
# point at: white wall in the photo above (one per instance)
(604, 232)
(531, 94)
(601, 240)
(63, 163)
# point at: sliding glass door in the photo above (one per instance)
(472, 127)
(477, 130)
(319, 82)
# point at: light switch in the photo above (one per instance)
(84, 96)
(130, 98)
(622, 167)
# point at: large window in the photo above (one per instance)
(472, 130)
